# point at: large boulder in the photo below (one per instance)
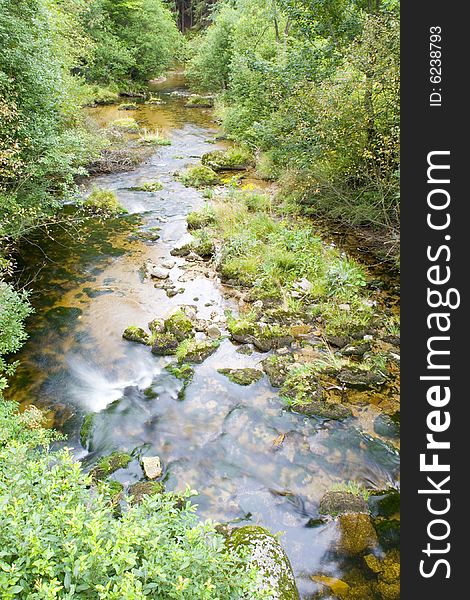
(268, 556)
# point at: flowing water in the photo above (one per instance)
(219, 439)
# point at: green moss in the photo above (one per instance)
(112, 489)
(164, 344)
(204, 244)
(86, 430)
(148, 186)
(267, 554)
(107, 465)
(104, 201)
(183, 371)
(136, 334)
(150, 394)
(179, 325)
(303, 392)
(199, 176)
(242, 376)
(352, 487)
(126, 124)
(196, 351)
(145, 488)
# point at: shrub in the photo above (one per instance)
(60, 541)
(104, 201)
(199, 176)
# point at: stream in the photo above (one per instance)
(219, 440)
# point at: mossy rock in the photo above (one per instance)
(126, 124)
(86, 431)
(264, 338)
(108, 465)
(357, 534)
(242, 376)
(277, 368)
(323, 410)
(204, 246)
(199, 176)
(337, 503)
(196, 351)
(164, 344)
(111, 488)
(269, 558)
(360, 378)
(183, 372)
(179, 325)
(388, 574)
(148, 186)
(150, 393)
(182, 250)
(128, 106)
(136, 334)
(356, 348)
(235, 159)
(144, 488)
(304, 394)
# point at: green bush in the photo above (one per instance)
(60, 541)
(14, 308)
(317, 95)
(104, 201)
(199, 176)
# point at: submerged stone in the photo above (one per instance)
(360, 378)
(270, 559)
(357, 534)
(242, 376)
(337, 503)
(386, 426)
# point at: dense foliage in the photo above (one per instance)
(50, 53)
(314, 87)
(59, 539)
